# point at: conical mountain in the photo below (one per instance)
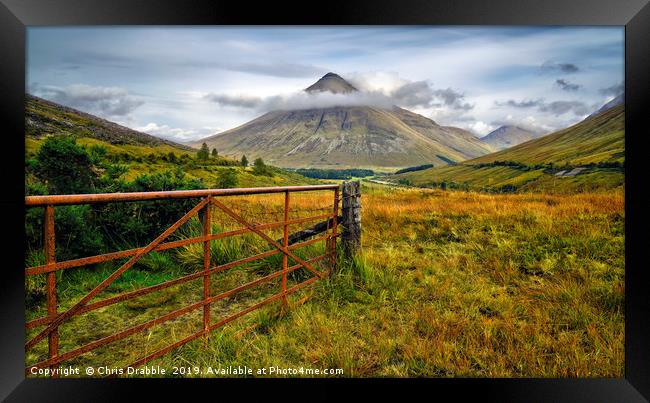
(333, 83)
(347, 136)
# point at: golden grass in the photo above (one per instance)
(448, 284)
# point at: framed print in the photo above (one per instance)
(386, 196)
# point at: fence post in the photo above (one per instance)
(332, 241)
(351, 221)
(50, 257)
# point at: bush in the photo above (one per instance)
(260, 168)
(135, 223)
(226, 179)
(75, 233)
(97, 153)
(65, 166)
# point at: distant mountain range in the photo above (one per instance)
(346, 136)
(595, 145)
(508, 136)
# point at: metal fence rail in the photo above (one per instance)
(208, 198)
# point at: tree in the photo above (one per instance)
(204, 152)
(65, 166)
(215, 154)
(260, 168)
(227, 178)
(244, 161)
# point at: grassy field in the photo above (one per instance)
(449, 284)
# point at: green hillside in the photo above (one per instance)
(597, 145)
(44, 118)
(131, 153)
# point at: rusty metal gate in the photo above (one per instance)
(209, 199)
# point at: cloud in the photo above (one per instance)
(614, 90)
(521, 104)
(453, 99)
(176, 134)
(414, 94)
(552, 67)
(561, 107)
(556, 107)
(273, 69)
(481, 128)
(103, 101)
(566, 86)
(240, 101)
(403, 93)
(528, 123)
(276, 69)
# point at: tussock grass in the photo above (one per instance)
(449, 284)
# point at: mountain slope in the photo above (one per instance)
(45, 117)
(508, 136)
(347, 136)
(619, 100)
(600, 139)
(356, 136)
(596, 146)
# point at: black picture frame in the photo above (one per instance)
(15, 15)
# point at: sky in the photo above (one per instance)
(186, 83)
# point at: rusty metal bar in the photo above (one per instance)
(267, 238)
(222, 322)
(50, 257)
(169, 316)
(207, 231)
(32, 201)
(170, 283)
(285, 243)
(31, 271)
(109, 280)
(53, 319)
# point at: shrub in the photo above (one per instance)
(227, 178)
(260, 168)
(138, 222)
(65, 166)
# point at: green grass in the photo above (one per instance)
(448, 284)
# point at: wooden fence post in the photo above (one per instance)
(351, 213)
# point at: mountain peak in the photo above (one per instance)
(508, 135)
(333, 83)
